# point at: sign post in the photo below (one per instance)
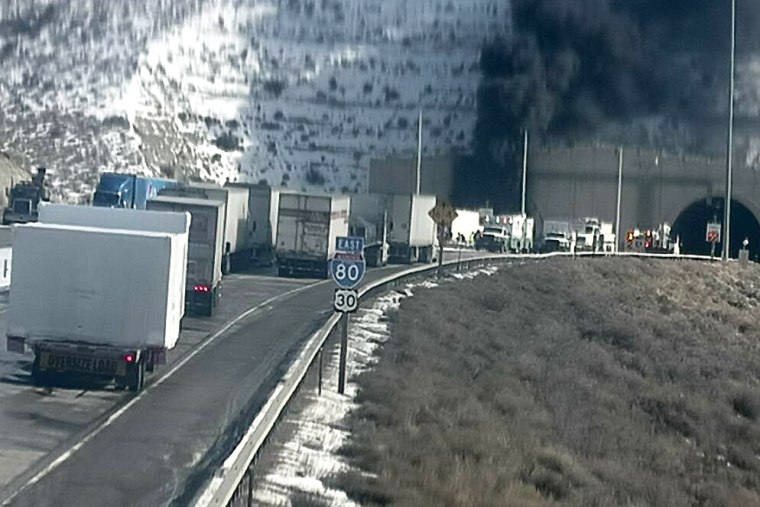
(347, 268)
(443, 214)
(712, 236)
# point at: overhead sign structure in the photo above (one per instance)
(443, 213)
(712, 235)
(346, 300)
(348, 265)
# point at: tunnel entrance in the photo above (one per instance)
(691, 224)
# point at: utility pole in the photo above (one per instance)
(524, 173)
(619, 198)
(726, 234)
(419, 153)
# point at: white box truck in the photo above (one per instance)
(369, 219)
(206, 244)
(93, 301)
(412, 233)
(263, 205)
(307, 228)
(237, 226)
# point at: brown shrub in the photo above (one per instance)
(571, 381)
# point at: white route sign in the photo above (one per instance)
(346, 300)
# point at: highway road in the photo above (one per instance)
(94, 446)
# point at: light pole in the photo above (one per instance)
(418, 172)
(729, 155)
(619, 198)
(524, 174)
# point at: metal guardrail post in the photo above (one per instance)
(343, 353)
(319, 385)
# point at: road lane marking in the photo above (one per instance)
(173, 369)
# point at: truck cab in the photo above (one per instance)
(494, 238)
(116, 190)
(557, 236)
(24, 199)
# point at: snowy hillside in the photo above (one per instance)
(300, 92)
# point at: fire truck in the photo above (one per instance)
(650, 240)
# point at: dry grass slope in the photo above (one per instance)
(574, 382)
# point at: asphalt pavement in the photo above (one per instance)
(75, 446)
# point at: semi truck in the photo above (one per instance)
(24, 198)
(411, 231)
(369, 220)
(557, 236)
(307, 228)
(206, 245)
(82, 317)
(121, 190)
(237, 221)
(495, 237)
(263, 206)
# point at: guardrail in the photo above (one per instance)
(234, 479)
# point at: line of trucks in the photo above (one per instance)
(114, 280)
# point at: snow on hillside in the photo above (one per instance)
(296, 92)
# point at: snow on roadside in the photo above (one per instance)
(308, 460)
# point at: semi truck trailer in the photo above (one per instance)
(237, 220)
(412, 233)
(307, 228)
(369, 220)
(206, 244)
(98, 302)
(263, 207)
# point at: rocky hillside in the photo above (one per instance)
(296, 92)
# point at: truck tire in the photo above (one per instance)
(226, 264)
(136, 377)
(208, 307)
(39, 378)
(426, 255)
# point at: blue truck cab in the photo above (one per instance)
(118, 190)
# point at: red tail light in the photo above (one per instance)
(201, 288)
(129, 358)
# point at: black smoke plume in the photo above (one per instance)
(649, 72)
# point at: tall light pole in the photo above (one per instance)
(419, 155)
(619, 198)
(524, 174)
(729, 155)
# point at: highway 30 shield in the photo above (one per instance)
(347, 272)
(346, 300)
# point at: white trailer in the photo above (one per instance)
(412, 233)
(206, 244)
(521, 233)
(369, 220)
(94, 301)
(307, 228)
(114, 218)
(238, 229)
(263, 206)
